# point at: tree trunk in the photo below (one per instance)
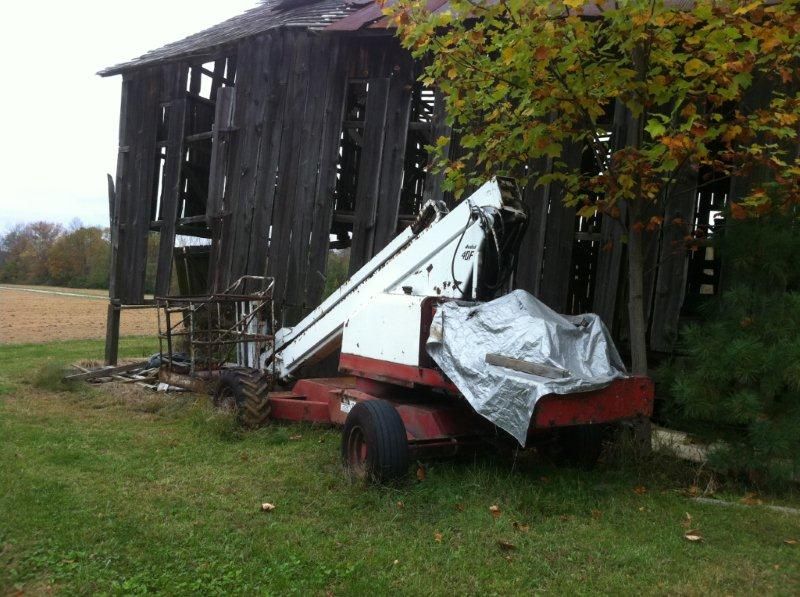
(638, 328)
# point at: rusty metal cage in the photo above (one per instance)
(203, 334)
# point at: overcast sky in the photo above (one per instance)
(59, 119)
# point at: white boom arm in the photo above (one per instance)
(443, 259)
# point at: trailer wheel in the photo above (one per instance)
(578, 446)
(244, 393)
(374, 443)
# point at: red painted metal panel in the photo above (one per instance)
(623, 399)
(293, 409)
(405, 375)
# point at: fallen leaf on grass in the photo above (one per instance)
(459, 507)
(421, 473)
(401, 505)
(597, 514)
(505, 545)
(751, 499)
(267, 507)
(640, 490)
(295, 437)
(522, 528)
(437, 536)
(693, 535)
(687, 521)
(495, 510)
(790, 541)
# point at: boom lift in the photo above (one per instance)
(391, 398)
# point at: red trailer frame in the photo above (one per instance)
(435, 415)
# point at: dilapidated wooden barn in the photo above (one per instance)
(264, 143)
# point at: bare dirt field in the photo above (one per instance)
(44, 314)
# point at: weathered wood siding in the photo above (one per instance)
(272, 180)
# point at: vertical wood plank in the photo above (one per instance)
(670, 287)
(316, 141)
(612, 250)
(531, 251)
(172, 176)
(559, 238)
(326, 178)
(369, 173)
(398, 112)
(440, 128)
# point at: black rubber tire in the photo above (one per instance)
(577, 447)
(374, 443)
(245, 392)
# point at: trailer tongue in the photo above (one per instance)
(437, 352)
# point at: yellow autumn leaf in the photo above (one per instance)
(694, 67)
(508, 55)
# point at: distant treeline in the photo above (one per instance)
(47, 253)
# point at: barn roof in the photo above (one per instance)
(271, 14)
(329, 15)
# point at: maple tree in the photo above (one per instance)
(714, 86)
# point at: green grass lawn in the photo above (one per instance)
(128, 492)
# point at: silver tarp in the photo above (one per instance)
(519, 326)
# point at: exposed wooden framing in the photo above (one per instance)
(172, 176)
